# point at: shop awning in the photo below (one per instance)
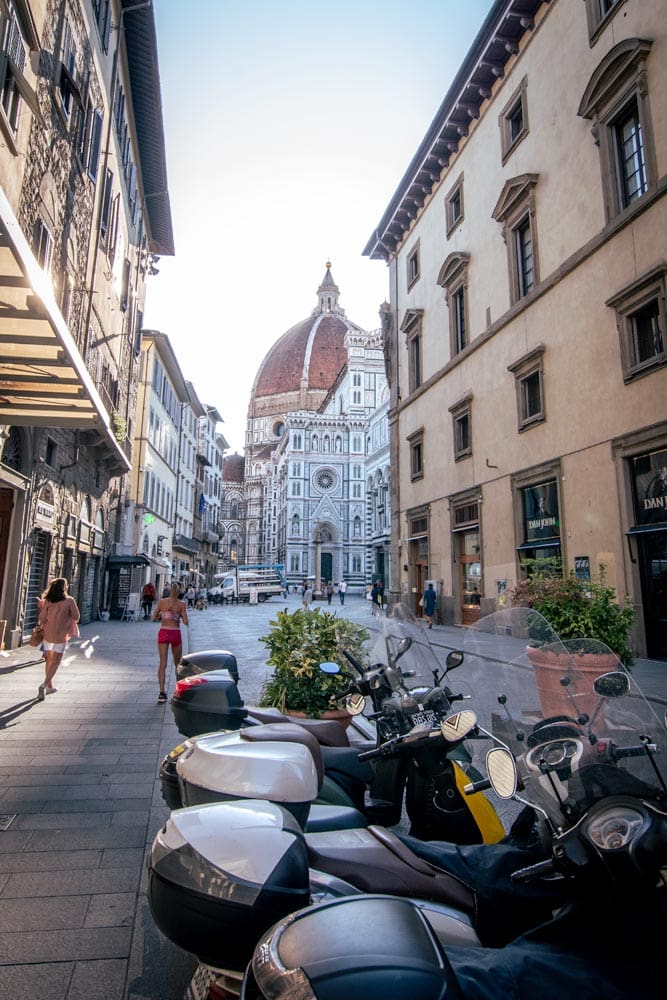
(543, 543)
(643, 529)
(161, 562)
(130, 560)
(43, 380)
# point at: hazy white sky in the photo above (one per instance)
(288, 127)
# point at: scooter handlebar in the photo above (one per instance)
(532, 872)
(477, 786)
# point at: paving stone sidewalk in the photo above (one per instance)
(78, 772)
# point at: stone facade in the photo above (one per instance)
(528, 329)
(78, 230)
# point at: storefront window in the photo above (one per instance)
(541, 526)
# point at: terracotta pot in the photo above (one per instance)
(549, 667)
(335, 714)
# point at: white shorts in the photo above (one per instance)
(54, 647)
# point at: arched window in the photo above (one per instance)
(314, 444)
(233, 552)
(234, 510)
(326, 443)
(357, 527)
(296, 526)
(339, 444)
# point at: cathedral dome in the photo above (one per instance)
(304, 363)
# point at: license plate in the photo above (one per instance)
(423, 718)
(199, 984)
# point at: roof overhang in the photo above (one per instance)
(43, 380)
(497, 41)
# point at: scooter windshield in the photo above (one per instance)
(403, 646)
(576, 722)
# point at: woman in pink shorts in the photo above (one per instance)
(170, 611)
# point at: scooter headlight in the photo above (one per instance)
(614, 828)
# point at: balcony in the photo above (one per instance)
(185, 544)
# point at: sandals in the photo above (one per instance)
(162, 697)
(40, 693)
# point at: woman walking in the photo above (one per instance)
(170, 611)
(58, 616)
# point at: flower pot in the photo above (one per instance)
(549, 667)
(335, 714)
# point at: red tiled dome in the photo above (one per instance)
(313, 350)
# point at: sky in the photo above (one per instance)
(288, 127)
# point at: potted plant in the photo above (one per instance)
(297, 643)
(575, 609)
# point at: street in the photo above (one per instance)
(80, 803)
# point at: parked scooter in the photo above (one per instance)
(594, 776)
(215, 767)
(219, 872)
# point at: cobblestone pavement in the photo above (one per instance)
(80, 799)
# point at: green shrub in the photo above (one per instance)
(575, 608)
(297, 644)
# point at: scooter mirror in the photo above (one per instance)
(457, 727)
(329, 668)
(612, 685)
(403, 647)
(454, 659)
(501, 769)
(355, 704)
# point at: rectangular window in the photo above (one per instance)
(95, 145)
(462, 427)
(105, 216)
(599, 13)
(528, 373)
(525, 263)
(642, 323)
(69, 87)
(454, 206)
(415, 362)
(459, 319)
(513, 120)
(43, 246)
(630, 156)
(416, 442)
(413, 266)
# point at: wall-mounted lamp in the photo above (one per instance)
(148, 262)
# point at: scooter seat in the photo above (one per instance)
(374, 860)
(330, 817)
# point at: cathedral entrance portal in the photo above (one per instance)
(326, 566)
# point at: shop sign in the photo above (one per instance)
(540, 511)
(45, 514)
(650, 484)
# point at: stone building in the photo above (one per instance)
(307, 447)
(527, 332)
(84, 209)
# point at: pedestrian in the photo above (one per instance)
(58, 616)
(429, 604)
(148, 598)
(329, 591)
(380, 595)
(166, 590)
(342, 587)
(170, 612)
(190, 596)
(375, 598)
(307, 597)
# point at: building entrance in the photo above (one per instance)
(653, 566)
